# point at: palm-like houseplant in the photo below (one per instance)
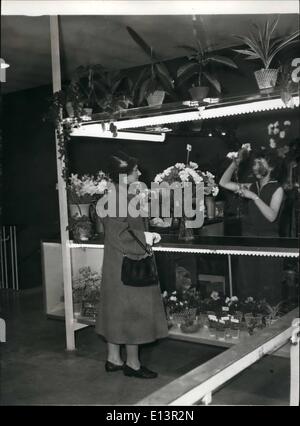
(155, 80)
(102, 87)
(196, 70)
(261, 45)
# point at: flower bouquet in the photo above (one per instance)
(84, 190)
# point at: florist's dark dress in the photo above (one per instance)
(261, 276)
(127, 315)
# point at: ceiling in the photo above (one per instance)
(25, 41)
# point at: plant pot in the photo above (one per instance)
(183, 317)
(199, 93)
(266, 79)
(77, 309)
(210, 206)
(83, 232)
(70, 108)
(87, 111)
(185, 233)
(156, 98)
(79, 210)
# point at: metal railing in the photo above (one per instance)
(9, 277)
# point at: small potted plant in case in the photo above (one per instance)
(261, 46)
(196, 70)
(155, 80)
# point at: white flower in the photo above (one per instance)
(193, 165)
(246, 146)
(272, 143)
(287, 123)
(173, 298)
(227, 300)
(232, 155)
(276, 124)
(234, 299)
(180, 166)
(276, 131)
(165, 294)
(215, 295)
(270, 128)
(215, 191)
(282, 134)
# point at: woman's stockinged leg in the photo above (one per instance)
(114, 353)
(133, 356)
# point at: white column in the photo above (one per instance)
(62, 194)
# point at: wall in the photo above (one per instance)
(29, 197)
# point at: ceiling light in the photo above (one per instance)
(95, 131)
(202, 113)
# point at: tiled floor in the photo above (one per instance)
(37, 370)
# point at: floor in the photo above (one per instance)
(37, 370)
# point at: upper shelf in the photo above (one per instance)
(134, 118)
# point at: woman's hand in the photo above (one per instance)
(248, 194)
(152, 238)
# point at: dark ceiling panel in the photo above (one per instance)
(104, 39)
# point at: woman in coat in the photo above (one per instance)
(127, 315)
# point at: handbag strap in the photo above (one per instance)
(139, 241)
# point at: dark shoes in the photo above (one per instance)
(111, 367)
(142, 373)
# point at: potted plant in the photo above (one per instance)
(78, 287)
(115, 89)
(196, 70)
(86, 288)
(155, 80)
(260, 45)
(81, 228)
(272, 313)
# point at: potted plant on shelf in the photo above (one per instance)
(196, 70)
(83, 190)
(155, 80)
(260, 45)
(83, 193)
(86, 288)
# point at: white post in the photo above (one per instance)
(294, 386)
(230, 275)
(62, 194)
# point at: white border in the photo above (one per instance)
(146, 7)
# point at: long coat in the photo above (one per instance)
(127, 315)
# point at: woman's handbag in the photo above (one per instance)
(139, 273)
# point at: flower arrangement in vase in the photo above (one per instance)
(83, 192)
(181, 174)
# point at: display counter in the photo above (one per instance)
(91, 254)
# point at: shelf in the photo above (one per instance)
(202, 337)
(217, 245)
(145, 117)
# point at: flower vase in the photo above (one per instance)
(79, 210)
(210, 207)
(185, 233)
